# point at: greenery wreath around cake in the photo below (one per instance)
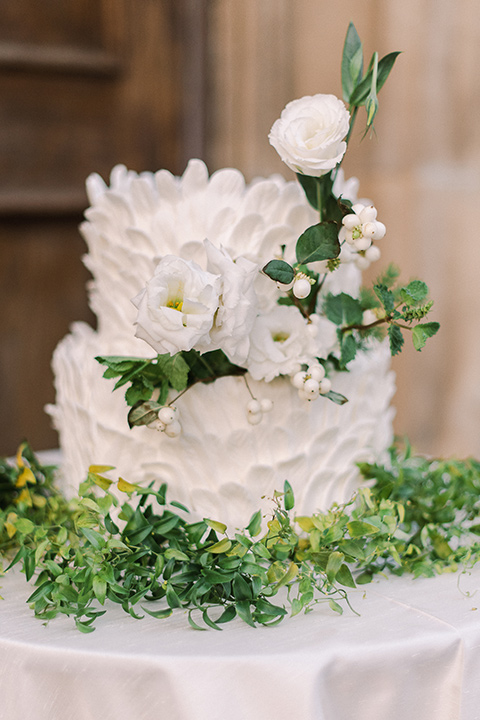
(123, 542)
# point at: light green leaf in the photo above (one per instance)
(288, 497)
(422, 332)
(335, 560)
(358, 528)
(352, 62)
(414, 292)
(255, 525)
(217, 526)
(222, 546)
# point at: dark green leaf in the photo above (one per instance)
(396, 339)
(318, 242)
(348, 348)
(143, 414)
(159, 614)
(386, 298)
(343, 310)
(335, 397)
(310, 188)
(280, 271)
(344, 576)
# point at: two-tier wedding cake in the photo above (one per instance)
(203, 241)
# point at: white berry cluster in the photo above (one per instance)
(360, 229)
(167, 422)
(256, 409)
(312, 382)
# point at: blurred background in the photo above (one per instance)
(87, 84)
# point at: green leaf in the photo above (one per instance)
(335, 606)
(358, 528)
(352, 62)
(99, 588)
(344, 576)
(175, 369)
(215, 525)
(160, 614)
(93, 537)
(172, 598)
(343, 309)
(396, 339)
(24, 525)
(335, 397)
(255, 525)
(386, 298)
(422, 332)
(244, 612)
(335, 560)
(348, 348)
(143, 414)
(361, 92)
(241, 588)
(318, 242)
(280, 271)
(310, 188)
(222, 546)
(288, 497)
(414, 292)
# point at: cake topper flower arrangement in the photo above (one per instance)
(274, 309)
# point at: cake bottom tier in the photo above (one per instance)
(221, 467)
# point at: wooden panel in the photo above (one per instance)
(83, 85)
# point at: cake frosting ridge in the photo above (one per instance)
(220, 465)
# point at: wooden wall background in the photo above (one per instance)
(89, 83)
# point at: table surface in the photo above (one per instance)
(414, 652)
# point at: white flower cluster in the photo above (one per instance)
(210, 297)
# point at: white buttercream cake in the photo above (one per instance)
(220, 466)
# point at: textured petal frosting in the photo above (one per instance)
(220, 465)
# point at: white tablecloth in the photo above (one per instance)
(414, 654)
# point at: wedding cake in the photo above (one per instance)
(234, 441)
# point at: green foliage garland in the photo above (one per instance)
(419, 516)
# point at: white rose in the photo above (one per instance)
(238, 303)
(176, 310)
(309, 134)
(279, 342)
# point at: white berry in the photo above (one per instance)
(254, 419)
(266, 404)
(167, 415)
(317, 372)
(301, 288)
(173, 429)
(156, 425)
(325, 386)
(254, 407)
(298, 379)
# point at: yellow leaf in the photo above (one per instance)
(11, 529)
(125, 486)
(19, 459)
(100, 468)
(25, 476)
(220, 547)
(24, 497)
(99, 480)
(306, 523)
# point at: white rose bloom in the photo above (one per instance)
(176, 310)
(309, 134)
(238, 303)
(279, 342)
